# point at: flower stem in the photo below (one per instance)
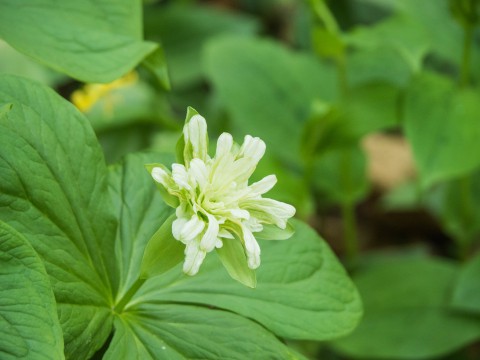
(128, 295)
(348, 211)
(465, 67)
(463, 244)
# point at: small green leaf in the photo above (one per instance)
(235, 262)
(407, 312)
(272, 232)
(162, 252)
(441, 125)
(28, 316)
(466, 293)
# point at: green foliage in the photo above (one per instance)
(401, 293)
(272, 95)
(341, 175)
(53, 190)
(57, 191)
(89, 266)
(432, 100)
(466, 294)
(56, 33)
(307, 299)
(28, 317)
(183, 30)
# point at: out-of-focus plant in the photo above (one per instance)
(89, 253)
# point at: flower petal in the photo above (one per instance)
(240, 213)
(195, 133)
(224, 233)
(224, 145)
(199, 171)
(252, 147)
(180, 176)
(160, 176)
(193, 258)
(210, 237)
(251, 247)
(263, 186)
(269, 211)
(191, 229)
(177, 227)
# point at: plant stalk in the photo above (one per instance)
(465, 68)
(120, 306)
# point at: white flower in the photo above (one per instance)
(214, 202)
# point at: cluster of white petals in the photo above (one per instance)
(215, 201)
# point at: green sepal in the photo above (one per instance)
(273, 232)
(169, 199)
(163, 251)
(234, 260)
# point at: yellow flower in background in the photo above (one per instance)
(86, 97)
(214, 201)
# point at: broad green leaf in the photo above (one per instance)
(407, 314)
(302, 290)
(140, 210)
(466, 293)
(53, 190)
(151, 331)
(340, 175)
(95, 41)
(272, 95)
(28, 316)
(183, 30)
(441, 123)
